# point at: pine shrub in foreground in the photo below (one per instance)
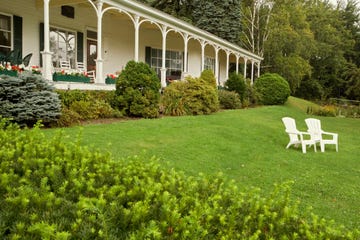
(56, 189)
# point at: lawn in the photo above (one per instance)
(247, 145)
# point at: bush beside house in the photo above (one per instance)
(80, 105)
(229, 99)
(28, 98)
(192, 96)
(138, 91)
(272, 89)
(236, 83)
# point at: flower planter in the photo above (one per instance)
(70, 78)
(9, 72)
(109, 80)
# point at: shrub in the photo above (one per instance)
(272, 89)
(86, 105)
(209, 77)
(310, 89)
(327, 111)
(193, 96)
(68, 117)
(229, 99)
(138, 91)
(250, 96)
(236, 83)
(52, 188)
(27, 99)
(70, 96)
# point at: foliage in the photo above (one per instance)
(272, 89)
(193, 96)
(181, 9)
(138, 91)
(56, 190)
(351, 77)
(236, 83)
(327, 111)
(218, 17)
(68, 97)
(81, 105)
(229, 99)
(255, 19)
(27, 99)
(310, 89)
(68, 118)
(209, 77)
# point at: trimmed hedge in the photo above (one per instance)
(79, 105)
(193, 96)
(229, 99)
(138, 91)
(272, 89)
(52, 188)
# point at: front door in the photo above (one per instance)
(91, 54)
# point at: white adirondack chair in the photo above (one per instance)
(296, 136)
(317, 134)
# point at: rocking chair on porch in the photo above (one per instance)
(80, 67)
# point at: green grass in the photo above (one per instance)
(248, 146)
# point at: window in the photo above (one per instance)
(209, 63)
(5, 34)
(62, 44)
(173, 63)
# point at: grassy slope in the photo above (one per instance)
(248, 146)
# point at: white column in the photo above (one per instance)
(136, 25)
(252, 72)
(186, 41)
(258, 75)
(237, 64)
(46, 54)
(217, 65)
(99, 59)
(245, 66)
(227, 65)
(203, 45)
(163, 66)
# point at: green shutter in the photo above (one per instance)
(80, 46)
(18, 25)
(41, 40)
(148, 55)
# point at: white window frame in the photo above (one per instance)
(209, 63)
(171, 64)
(11, 31)
(57, 61)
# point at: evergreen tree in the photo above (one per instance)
(27, 99)
(221, 18)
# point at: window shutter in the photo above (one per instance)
(41, 41)
(80, 46)
(18, 25)
(148, 55)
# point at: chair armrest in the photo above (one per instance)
(298, 132)
(329, 133)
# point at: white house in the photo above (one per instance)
(106, 34)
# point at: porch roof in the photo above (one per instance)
(165, 19)
(179, 25)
